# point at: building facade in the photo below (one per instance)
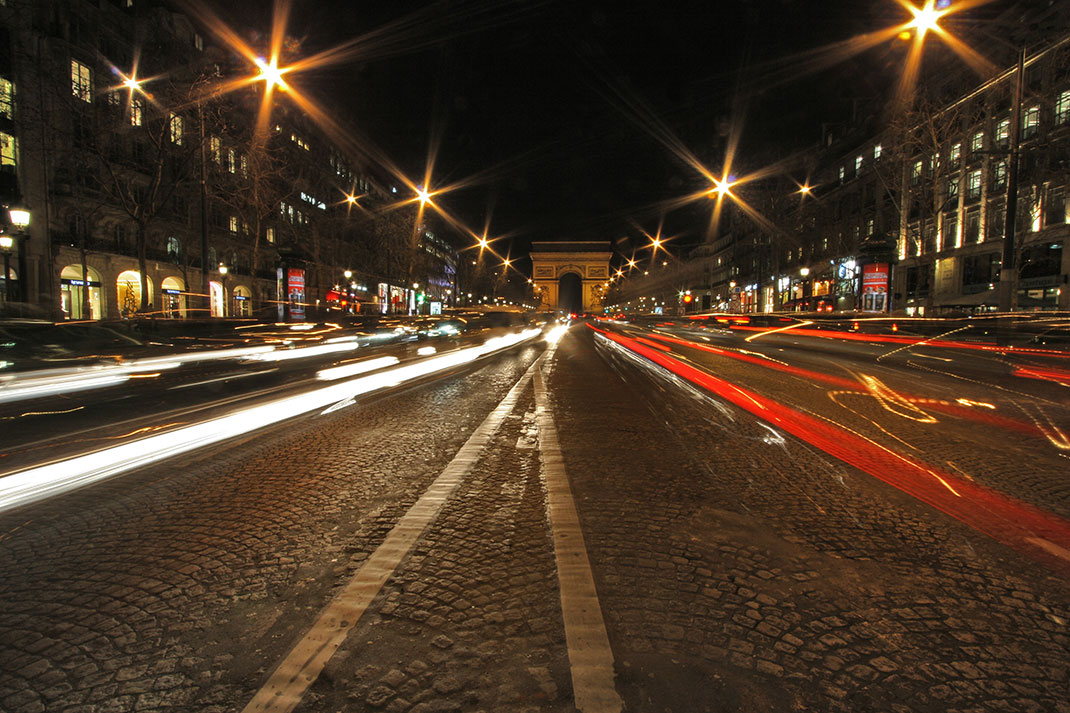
(151, 193)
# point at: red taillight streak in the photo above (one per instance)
(908, 341)
(649, 343)
(1057, 375)
(946, 407)
(1004, 519)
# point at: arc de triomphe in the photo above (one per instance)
(588, 260)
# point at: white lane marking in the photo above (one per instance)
(589, 654)
(287, 685)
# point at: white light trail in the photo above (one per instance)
(40, 482)
(360, 367)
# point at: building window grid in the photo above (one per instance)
(973, 184)
(1030, 122)
(977, 141)
(7, 99)
(176, 129)
(1062, 108)
(9, 150)
(955, 154)
(81, 81)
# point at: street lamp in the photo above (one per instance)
(223, 270)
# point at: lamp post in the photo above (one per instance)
(19, 216)
(6, 243)
(223, 270)
(1008, 272)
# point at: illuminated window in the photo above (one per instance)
(137, 111)
(232, 161)
(843, 172)
(1062, 108)
(858, 163)
(1003, 133)
(9, 150)
(81, 81)
(270, 235)
(916, 171)
(1030, 122)
(234, 224)
(244, 166)
(973, 184)
(977, 141)
(877, 151)
(174, 249)
(999, 175)
(198, 41)
(955, 155)
(176, 129)
(7, 99)
(216, 149)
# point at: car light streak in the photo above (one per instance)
(360, 367)
(752, 337)
(32, 388)
(39, 482)
(42, 413)
(913, 341)
(1058, 376)
(554, 335)
(843, 385)
(426, 351)
(304, 352)
(1009, 521)
(228, 377)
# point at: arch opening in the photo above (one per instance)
(570, 293)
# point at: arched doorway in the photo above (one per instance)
(218, 298)
(242, 302)
(128, 292)
(80, 293)
(174, 298)
(570, 293)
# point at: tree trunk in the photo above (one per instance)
(142, 265)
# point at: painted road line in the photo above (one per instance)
(589, 654)
(300, 668)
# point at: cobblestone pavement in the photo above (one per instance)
(737, 570)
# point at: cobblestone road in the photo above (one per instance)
(737, 570)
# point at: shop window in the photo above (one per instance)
(979, 272)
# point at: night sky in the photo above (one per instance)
(556, 107)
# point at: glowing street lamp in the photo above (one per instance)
(270, 73)
(926, 18)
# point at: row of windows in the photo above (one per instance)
(1030, 127)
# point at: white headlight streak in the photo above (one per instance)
(44, 481)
